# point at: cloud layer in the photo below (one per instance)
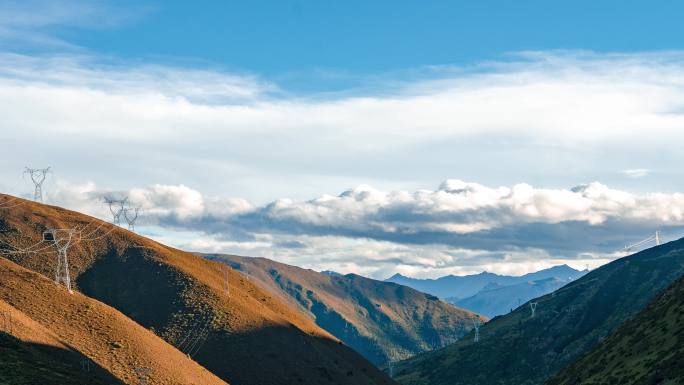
(524, 119)
(458, 227)
(550, 119)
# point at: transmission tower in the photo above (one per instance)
(85, 365)
(476, 326)
(5, 322)
(143, 375)
(533, 307)
(116, 207)
(131, 215)
(226, 284)
(62, 239)
(38, 176)
(656, 238)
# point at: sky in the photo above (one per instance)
(374, 137)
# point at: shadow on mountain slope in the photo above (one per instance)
(25, 363)
(182, 298)
(518, 349)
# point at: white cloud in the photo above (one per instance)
(636, 172)
(462, 207)
(459, 228)
(160, 200)
(550, 119)
(538, 114)
(27, 23)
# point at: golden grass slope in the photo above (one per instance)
(44, 313)
(244, 336)
(382, 320)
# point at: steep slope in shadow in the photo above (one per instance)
(647, 349)
(31, 363)
(519, 349)
(245, 336)
(382, 320)
(45, 313)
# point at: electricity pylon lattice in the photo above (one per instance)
(38, 176)
(116, 207)
(226, 283)
(131, 215)
(62, 239)
(533, 307)
(656, 238)
(476, 326)
(85, 365)
(5, 322)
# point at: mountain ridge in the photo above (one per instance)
(521, 349)
(382, 320)
(646, 349)
(449, 286)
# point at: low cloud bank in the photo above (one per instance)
(458, 227)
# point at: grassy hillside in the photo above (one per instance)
(381, 320)
(245, 336)
(519, 349)
(25, 363)
(55, 331)
(646, 350)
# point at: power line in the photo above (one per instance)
(656, 238)
(7, 204)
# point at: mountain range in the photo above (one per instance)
(497, 299)
(527, 348)
(143, 312)
(491, 294)
(383, 321)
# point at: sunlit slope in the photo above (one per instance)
(519, 349)
(381, 320)
(60, 332)
(244, 336)
(31, 354)
(647, 349)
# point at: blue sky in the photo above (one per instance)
(283, 39)
(375, 137)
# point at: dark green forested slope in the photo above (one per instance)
(518, 349)
(646, 350)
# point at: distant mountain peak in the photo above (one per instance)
(396, 276)
(331, 273)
